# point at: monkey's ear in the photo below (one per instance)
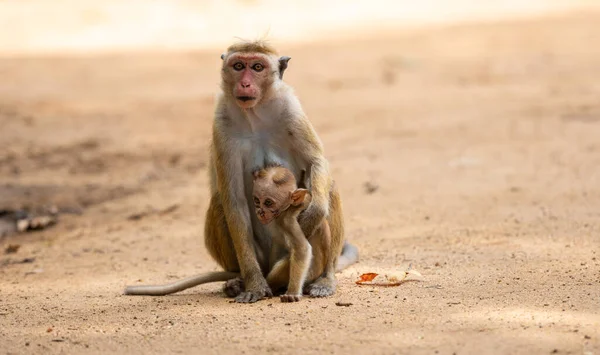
(283, 64)
(223, 56)
(298, 196)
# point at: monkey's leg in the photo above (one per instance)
(220, 246)
(300, 257)
(349, 252)
(326, 284)
(235, 287)
(280, 274)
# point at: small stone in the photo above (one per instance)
(22, 225)
(370, 187)
(12, 248)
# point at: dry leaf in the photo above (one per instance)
(367, 277)
(389, 279)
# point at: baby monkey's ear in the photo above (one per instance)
(298, 197)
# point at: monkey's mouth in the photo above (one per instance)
(246, 98)
(264, 220)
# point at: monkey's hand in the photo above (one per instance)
(290, 298)
(256, 289)
(310, 218)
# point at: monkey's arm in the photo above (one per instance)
(230, 183)
(310, 148)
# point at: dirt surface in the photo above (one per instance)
(472, 152)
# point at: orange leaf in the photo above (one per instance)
(366, 277)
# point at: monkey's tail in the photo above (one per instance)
(349, 256)
(161, 290)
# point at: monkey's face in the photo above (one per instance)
(270, 199)
(274, 191)
(248, 76)
(267, 208)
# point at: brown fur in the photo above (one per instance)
(258, 46)
(283, 176)
(259, 132)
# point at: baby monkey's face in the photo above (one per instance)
(269, 206)
(274, 191)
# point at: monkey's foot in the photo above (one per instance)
(233, 287)
(254, 294)
(290, 298)
(322, 287)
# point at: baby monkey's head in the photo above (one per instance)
(275, 190)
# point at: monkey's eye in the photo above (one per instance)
(256, 201)
(238, 66)
(268, 202)
(258, 67)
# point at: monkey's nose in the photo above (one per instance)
(245, 85)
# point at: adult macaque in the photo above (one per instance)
(258, 123)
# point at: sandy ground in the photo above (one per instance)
(483, 142)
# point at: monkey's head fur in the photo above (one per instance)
(274, 191)
(249, 70)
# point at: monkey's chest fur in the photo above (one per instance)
(264, 142)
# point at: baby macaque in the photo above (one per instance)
(295, 258)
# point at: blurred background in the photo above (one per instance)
(38, 26)
(464, 137)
